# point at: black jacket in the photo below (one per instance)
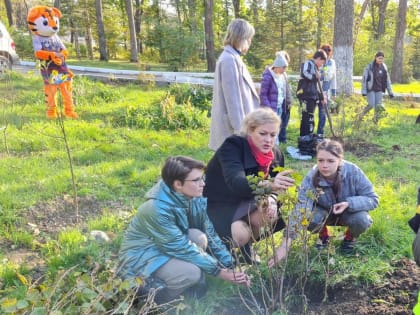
(226, 183)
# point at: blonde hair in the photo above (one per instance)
(259, 117)
(238, 34)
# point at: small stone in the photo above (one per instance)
(100, 236)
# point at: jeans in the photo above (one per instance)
(285, 116)
(322, 117)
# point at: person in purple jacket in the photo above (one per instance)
(275, 92)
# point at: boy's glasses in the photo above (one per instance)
(197, 180)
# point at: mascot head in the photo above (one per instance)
(44, 21)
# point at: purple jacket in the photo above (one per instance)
(269, 91)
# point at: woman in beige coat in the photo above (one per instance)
(234, 93)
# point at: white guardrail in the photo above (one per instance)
(199, 78)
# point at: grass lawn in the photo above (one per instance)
(116, 148)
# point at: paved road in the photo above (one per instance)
(165, 78)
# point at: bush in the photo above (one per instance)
(199, 97)
(167, 115)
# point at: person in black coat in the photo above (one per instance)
(231, 203)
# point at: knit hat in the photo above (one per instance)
(280, 61)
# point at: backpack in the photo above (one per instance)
(307, 144)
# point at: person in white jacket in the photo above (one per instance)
(234, 93)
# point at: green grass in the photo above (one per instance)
(114, 160)
(410, 88)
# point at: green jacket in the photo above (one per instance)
(159, 232)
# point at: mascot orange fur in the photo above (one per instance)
(43, 22)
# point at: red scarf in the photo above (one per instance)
(263, 159)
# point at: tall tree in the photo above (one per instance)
(382, 15)
(319, 23)
(359, 19)
(379, 26)
(75, 36)
(343, 45)
(138, 12)
(301, 43)
(397, 63)
(236, 8)
(132, 28)
(208, 30)
(103, 52)
(192, 16)
(9, 11)
(88, 31)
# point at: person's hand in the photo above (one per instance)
(270, 211)
(318, 75)
(340, 207)
(334, 98)
(282, 181)
(238, 277)
(280, 253)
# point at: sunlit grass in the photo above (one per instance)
(113, 161)
(409, 88)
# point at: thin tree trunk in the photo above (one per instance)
(57, 4)
(88, 35)
(343, 45)
(359, 20)
(208, 30)
(319, 24)
(397, 63)
(131, 27)
(282, 17)
(137, 23)
(75, 38)
(254, 10)
(382, 15)
(301, 44)
(192, 10)
(9, 11)
(236, 8)
(373, 17)
(103, 51)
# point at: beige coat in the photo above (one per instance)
(234, 96)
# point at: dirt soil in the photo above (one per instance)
(397, 295)
(46, 219)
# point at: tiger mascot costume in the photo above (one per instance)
(43, 22)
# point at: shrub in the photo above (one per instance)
(167, 115)
(199, 97)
